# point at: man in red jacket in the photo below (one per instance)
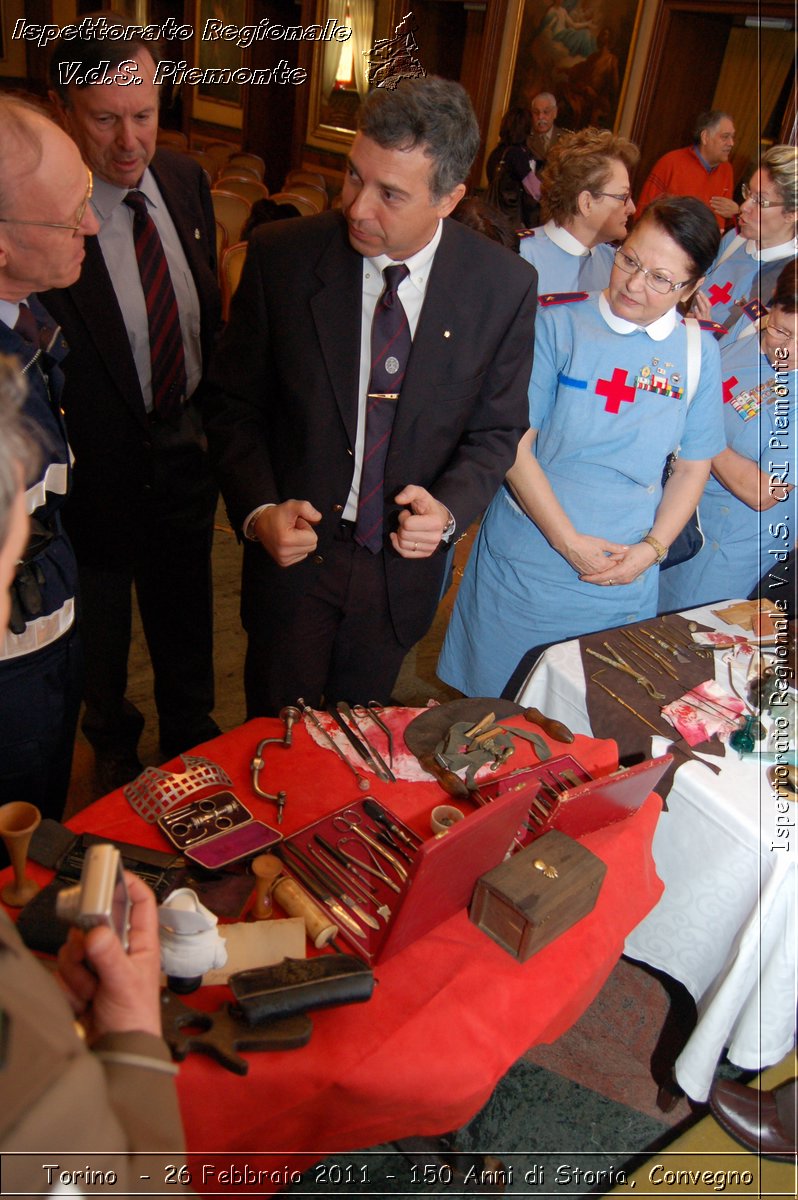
(702, 170)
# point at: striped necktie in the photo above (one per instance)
(390, 350)
(163, 319)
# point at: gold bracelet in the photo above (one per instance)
(660, 550)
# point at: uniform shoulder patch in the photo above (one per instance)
(549, 299)
(754, 309)
(713, 327)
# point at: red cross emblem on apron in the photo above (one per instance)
(720, 295)
(728, 388)
(616, 390)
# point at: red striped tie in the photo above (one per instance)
(166, 341)
(390, 350)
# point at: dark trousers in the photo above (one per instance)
(172, 578)
(338, 644)
(39, 705)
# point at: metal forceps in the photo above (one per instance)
(374, 708)
(351, 822)
(621, 664)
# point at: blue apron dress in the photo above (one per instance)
(608, 399)
(741, 545)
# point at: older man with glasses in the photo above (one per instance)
(702, 169)
(45, 216)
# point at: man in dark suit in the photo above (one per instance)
(331, 606)
(142, 509)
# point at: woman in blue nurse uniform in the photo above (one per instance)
(586, 202)
(748, 510)
(749, 262)
(570, 543)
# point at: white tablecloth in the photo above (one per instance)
(726, 924)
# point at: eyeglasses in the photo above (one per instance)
(621, 197)
(758, 200)
(74, 226)
(779, 335)
(653, 279)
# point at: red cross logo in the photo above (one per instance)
(720, 295)
(728, 386)
(616, 390)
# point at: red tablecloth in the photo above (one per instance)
(449, 1015)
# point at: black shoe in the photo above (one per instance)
(114, 770)
(172, 746)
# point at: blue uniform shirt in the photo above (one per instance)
(563, 264)
(735, 280)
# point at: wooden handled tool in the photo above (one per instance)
(555, 729)
(292, 899)
(452, 784)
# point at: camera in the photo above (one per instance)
(101, 897)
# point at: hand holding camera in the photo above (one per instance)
(110, 990)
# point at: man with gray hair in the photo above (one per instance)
(366, 399)
(44, 217)
(702, 170)
(545, 132)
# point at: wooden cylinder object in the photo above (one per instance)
(293, 900)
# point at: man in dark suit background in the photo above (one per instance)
(545, 133)
(141, 513)
(329, 611)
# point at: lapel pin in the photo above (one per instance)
(197, 235)
(446, 333)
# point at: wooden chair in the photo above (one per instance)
(221, 243)
(311, 192)
(173, 139)
(304, 177)
(207, 163)
(253, 162)
(238, 171)
(250, 189)
(218, 153)
(231, 211)
(305, 207)
(232, 264)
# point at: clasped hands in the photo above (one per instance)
(287, 530)
(607, 563)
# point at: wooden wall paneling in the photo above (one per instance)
(684, 63)
(751, 96)
(270, 109)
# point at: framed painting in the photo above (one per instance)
(221, 103)
(578, 50)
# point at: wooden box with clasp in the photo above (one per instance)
(534, 896)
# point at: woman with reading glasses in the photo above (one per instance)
(749, 261)
(572, 541)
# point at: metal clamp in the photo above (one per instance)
(290, 716)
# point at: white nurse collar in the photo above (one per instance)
(658, 330)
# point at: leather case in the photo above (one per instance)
(299, 985)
